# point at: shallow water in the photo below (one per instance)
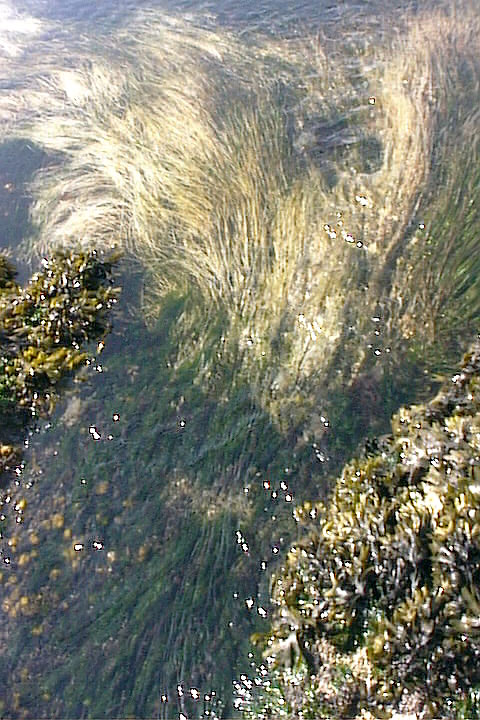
(160, 494)
(265, 15)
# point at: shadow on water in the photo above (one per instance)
(19, 161)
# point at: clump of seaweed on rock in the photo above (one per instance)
(378, 602)
(43, 327)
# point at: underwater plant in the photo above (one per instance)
(279, 183)
(273, 187)
(377, 605)
(44, 328)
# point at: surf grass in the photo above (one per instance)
(280, 179)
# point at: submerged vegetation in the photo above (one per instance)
(303, 212)
(43, 330)
(296, 187)
(377, 606)
(149, 520)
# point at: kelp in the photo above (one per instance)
(384, 581)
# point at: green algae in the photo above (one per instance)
(165, 497)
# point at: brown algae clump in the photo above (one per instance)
(43, 327)
(379, 600)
